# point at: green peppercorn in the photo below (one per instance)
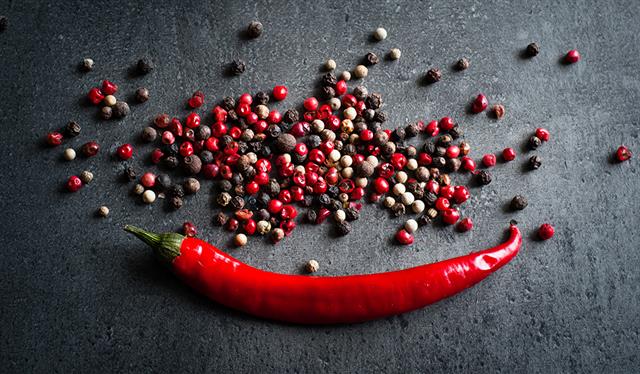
(518, 202)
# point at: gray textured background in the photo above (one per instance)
(78, 295)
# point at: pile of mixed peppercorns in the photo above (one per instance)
(326, 159)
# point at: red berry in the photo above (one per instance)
(193, 120)
(54, 138)
(250, 226)
(424, 159)
(310, 104)
(447, 191)
(252, 188)
(156, 156)
(90, 149)
(450, 216)
(341, 88)
(432, 186)
(125, 151)
(196, 101)
(210, 171)
(186, 149)
(572, 56)
(74, 183)
(398, 160)
(623, 153)
(148, 180)
(288, 212)
(168, 138)
(446, 123)
(274, 117)
(509, 154)
(366, 135)
(479, 104)
(403, 237)
(442, 204)
(489, 160)
(453, 151)
(95, 96)
(274, 206)
(546, 231)
(243, 109)
(189, 229)
(461, 194)
(432, 128)
(261, 178)
(468, 164)
(381, 185)
(280, 92)
(245, 98)
(466, 224)
(109, 88)
(542, 134)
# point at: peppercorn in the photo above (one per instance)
(109, 100)
(380, 34)
(130, 173)
(438, 162)
(398, 209)
(535, 162)
(483, 177)
(498, 111)
(121, 109)
(456, 132)
(432, 213)
(328, 92)
(86, 177)
(532, 50)
(424, 220)
(149, 196)
(285, 143)
(371, 58)
(343, 228)
(223, 199)
(329, 80)
(103, 211)
(254, 29)
(277, 235)
(144, 65)
(171, 162)
(237, 179)
(291, 116)
(352, 214)
(72, 129)
(176, 202)
(534, 142)
(4, 23)
(192, 164)
(518, 202)
(312, 266)
(399, 134)
(237, 67)
(360, 71)
(462, 64)
(395, 54)
(106, 112)
(237, 202)
(220, 219)
(90, 149)
(240, 240)
(433, 75)
(365, 169)
(176, 190)
(453, 164)
(142, 94)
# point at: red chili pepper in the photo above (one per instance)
(322, 300)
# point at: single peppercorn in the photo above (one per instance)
(86, 177)
(130, 173)
(144, 65)
(72, 129)
(291, 116)
(87, 65)
(433, 75)
(142, 94)
(412, 130)
(176, 202)
(277, 235)
(163, 181)
(371, 58)
(534, 142)
(424, 220)
(171, 162)
(534, 162)
(121, 109)
(176, 190)
(352, 214)
(90, 149)
(395, 54)
(498, 111)
(220, 219)
(518, 202)
(149, 134)
(254, 29)
(398, 209)
(285, 143)
(360, 71)
(483, 177)
(106, 112)
(343, 228)
(103, 211)
(192, 164)
(237, 67)
(191, 186)
(329, 80)
(532, 50)
(462, 64)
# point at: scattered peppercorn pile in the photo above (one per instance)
(326, 159)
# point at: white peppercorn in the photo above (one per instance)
(69, 154)
(407, 198)
(110, 100)
(346, 161)
(418, 206)
(401, 177)
(361, 182)
(360, 71)
(395, 53)
(149, 196)
(262, 111)
(399, 189)
(87, 64)
(347, 172)
(411, 226)
(103, 211)
(350, 113)
(86, 177)
(138, 189)
(240, 240)
(388, 202)
(263, 227)
(317, 125)
(334, 103)
(339, 215)
(412, 164)
(330, 64)
(334, 155)
(312, 266)
(345, 76)
(380, 34)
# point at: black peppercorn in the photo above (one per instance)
(456, 132)
(334, 205)
(445, 141)
(225, 185)
(433, 75)
(163, 181)
(106, 112)
(365, 169)
(254, 29)
(307, 201)
(483, 177)
(438, 162)
(371, 59)
(398, 134)
(534, 142)
(170, 162)
(333, 192)
(203, 132)
(374, 101)
(130, 173)
(261, 98)
(228, 103)
(191, 186)
(535, 162)
(430, 198)
(361, 92)
(237, 202)
(142, 94)
(121, 109)
(237, 179)
(220, 219)
(72, 129)
(518, 202)
(237, 67)
(532, 50)
(176, 190)
(192, 164)
(343, 228)
(149, 134)
(440, 151)
(328, 92)
(329, 80)
(462, 64)
(145, 65)
(368, 115)
(262, 215)
(4, 23)
(352, 214)
(412, 130)
(453, 164)
(349, 150)
(176, 202)
(398, 209)
(429, 147)
(272, 188)
(314, 141)
(324, 199)
(311, 216)
(381, 116)
(291, 116)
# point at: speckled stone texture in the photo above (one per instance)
(78, 295)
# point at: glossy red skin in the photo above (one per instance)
(331, 300)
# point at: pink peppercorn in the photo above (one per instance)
(109, 88)
(95, 96)
(404, 237)
(468, 164)
(479, 104)
(74, 183)
(310, 104)
(193, 120)
(280, 92)
(466, 224)
(446, 123)
(453, 151)
(546, 231)
(450, 216)
(54, 138)
(572, 56)
(542, 134)
(623, 154)
(442, 204)
(196, 101)
(186, 149)
(461, 194)
(489, 160)
(148, 180)
(168, 137)
(125, 151)
(432, 128)
(509, 154)
(245, 98)
(156, 156)
(341, 88)
(189, 229)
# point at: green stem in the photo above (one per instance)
(166, 245)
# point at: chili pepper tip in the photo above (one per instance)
(166, 245)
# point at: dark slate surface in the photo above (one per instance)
(78, 295)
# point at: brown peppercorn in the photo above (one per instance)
(432, 213)
(534, 142)
(438, 162)
(142, 94)
(535, 162)
(162, 120)
(343, 228)
(412, 130)
(424, 220)
(86, 177)
(312, 266)
(422, 174)
(130, 173)
(371, 59)
(285, 143)
(430, 198)
(121, 109)
(237, 202)
(254, 29)
(170, 162)
(223, 199)
(149, 134)
(191, 186)
(453, 164)
(237, 67)
(277, 235)
(90, 149)
(518, 202)
(462, 64)
(220, 219)
(456, 131)
(374, 101)
(483, 177)
(106, 112)
(192, 164)
(433, 75)
(532, 50)
(380, 138)
(72, 129)
(144, 65)
(365, 169)
(176, 202)
(465, 148)
(398, 209)
(498, 111)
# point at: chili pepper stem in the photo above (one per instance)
(166, 245)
